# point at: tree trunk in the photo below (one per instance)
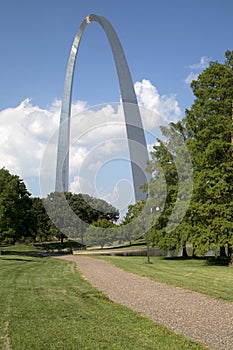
(230, 256)
(62, 238)
(184, 253)
(222, 252)
(193, 253)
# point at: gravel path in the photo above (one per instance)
(196, 316)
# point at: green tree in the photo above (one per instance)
(71, 214)
(100, 233)
(170, 188)
(133, 224)
(63, 221)
(90, 209)
(17, 221)
(43, 223)
(209, 127)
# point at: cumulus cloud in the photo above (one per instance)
(196, 68)
(82, 185)
(157, 107)
(24, 131)
(98, 136)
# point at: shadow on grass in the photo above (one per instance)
(220, 261)
(19, 259)
(15, 252)
(35, 254)
(58, 245)
(210, 261)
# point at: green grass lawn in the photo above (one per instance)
(46, 304)
(17, 248)
(208, 276)
(41, 246)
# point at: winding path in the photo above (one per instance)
(194, 315)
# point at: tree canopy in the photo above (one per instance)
(17, 220)
(207, 131)
(71, 214)
(60, 215)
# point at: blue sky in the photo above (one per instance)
(166, 42)
(161, 40)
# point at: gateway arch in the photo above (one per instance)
(135, 133)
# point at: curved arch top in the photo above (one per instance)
(135, 133)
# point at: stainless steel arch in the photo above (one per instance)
(135, 133)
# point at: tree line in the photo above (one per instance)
(83, 218)
(29, 219)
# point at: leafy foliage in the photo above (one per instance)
(17, 220)
(101, 233)
(43, 223)
(71, 214)
(133, 225)
(207, 131)
(209, 126)
(36, 219)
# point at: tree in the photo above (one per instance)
(90, 209)
(209, 127)
(133, 224)
(17, 221)
(170, 188)
(100, 233)
(71, 214)
(207, 133)
(43, 223)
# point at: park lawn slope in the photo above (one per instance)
(207, 276)
(46, 304)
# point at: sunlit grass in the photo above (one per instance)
(46, 304)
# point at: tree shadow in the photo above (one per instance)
(219, 261)
(210, 261)
(15, 252)
(178, 258)
(20, 259)
(58, 245)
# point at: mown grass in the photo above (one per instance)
(46, 304)
(17, 248)
(42, 246)
(207, 276)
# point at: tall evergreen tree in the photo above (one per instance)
(207, 131)
(170, 164)
(209, 127)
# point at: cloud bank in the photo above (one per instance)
(98, 140)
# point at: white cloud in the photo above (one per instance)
(203, 63)
(82, 185)
(192, 76)
(157, 107)
(196, 68)
(97, 135)
(77, 157)
(147, 94)
(23, 131)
